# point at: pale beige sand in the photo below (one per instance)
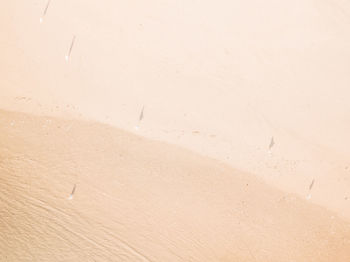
(220, 78)
(137, 200)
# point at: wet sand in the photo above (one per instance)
(142, 200)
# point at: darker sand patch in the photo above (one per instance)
(141, 200)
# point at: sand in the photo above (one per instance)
(141, 200)
(228, 91)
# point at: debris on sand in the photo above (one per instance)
(45, 10)
(72, 194)
(310, 187)
(272, 143)
(141, 114)
(70, 48)
(312, 184)
(140, 118)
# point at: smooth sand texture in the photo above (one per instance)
(137, 200)
(220, 78)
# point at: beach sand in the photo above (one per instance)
(175, 130)
(141, 200)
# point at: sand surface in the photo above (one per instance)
(262, 87)
(137, 200)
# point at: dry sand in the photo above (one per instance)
(261, 86)
(137, 200)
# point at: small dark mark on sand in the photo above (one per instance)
(141, 114)
(70, 48)
(22, 98)
(272, 143)
(73, 191)
(47, 7)
(312, 184)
